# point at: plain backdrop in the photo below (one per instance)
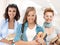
(40, 5)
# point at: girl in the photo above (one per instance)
(48, 27)
(30, 28)
(9, 25)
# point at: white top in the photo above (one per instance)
(50, 37)
(58, 30)
(4, 29)
(30, 33)
(10, 31)
(10, 34)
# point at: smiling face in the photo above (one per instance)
(48, 17)
(31, 17)
(11, 12)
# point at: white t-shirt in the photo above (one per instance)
(31, 33)
(10, 31)
(50, 37)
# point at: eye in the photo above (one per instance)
(14, 11)
(32, 15)
(28, 15)
(51, 16)
(9, 10)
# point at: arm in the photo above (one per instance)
(40, 40)
(18, 34)
(58, 41)
(26, 43)
(59, 35)
(54, 39)
(40, 36)
(6, 41)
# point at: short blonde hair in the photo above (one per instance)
(48, 10)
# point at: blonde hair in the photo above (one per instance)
(25, 17)
(27, 11)
(48, 10)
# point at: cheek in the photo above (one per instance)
(9, 13)
(51, 19)
(46, 18)
(34, 18)
(14, 15)
(27, 18)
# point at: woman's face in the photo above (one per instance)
(31, 17)
(11, 12)
(48, 17)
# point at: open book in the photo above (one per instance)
(10, 37)
(42, 35)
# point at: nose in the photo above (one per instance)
(30, 17)
(12, 12)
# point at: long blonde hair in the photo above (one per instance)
(25, 17)
(27, 11)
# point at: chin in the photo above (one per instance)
(30, 22)
(48, 22)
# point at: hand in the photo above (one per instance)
(34, 42)
(6, 41)
(16, 43)
(26, 43)
(11, 41)
(40, 40)
(10, 37)
(40, 34)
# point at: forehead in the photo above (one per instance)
(49, 13)
(31, 12)
(11, 8)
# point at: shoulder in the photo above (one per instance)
(19, 26)
(3, 22)
(39, 28)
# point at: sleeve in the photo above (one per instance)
(18, 33)
(41, 29)
(1, 24)
(0, 36)
(58, 30)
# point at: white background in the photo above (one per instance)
(40, 5)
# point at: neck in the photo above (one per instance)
(31, 25)
(11, 20)
(47, 25)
